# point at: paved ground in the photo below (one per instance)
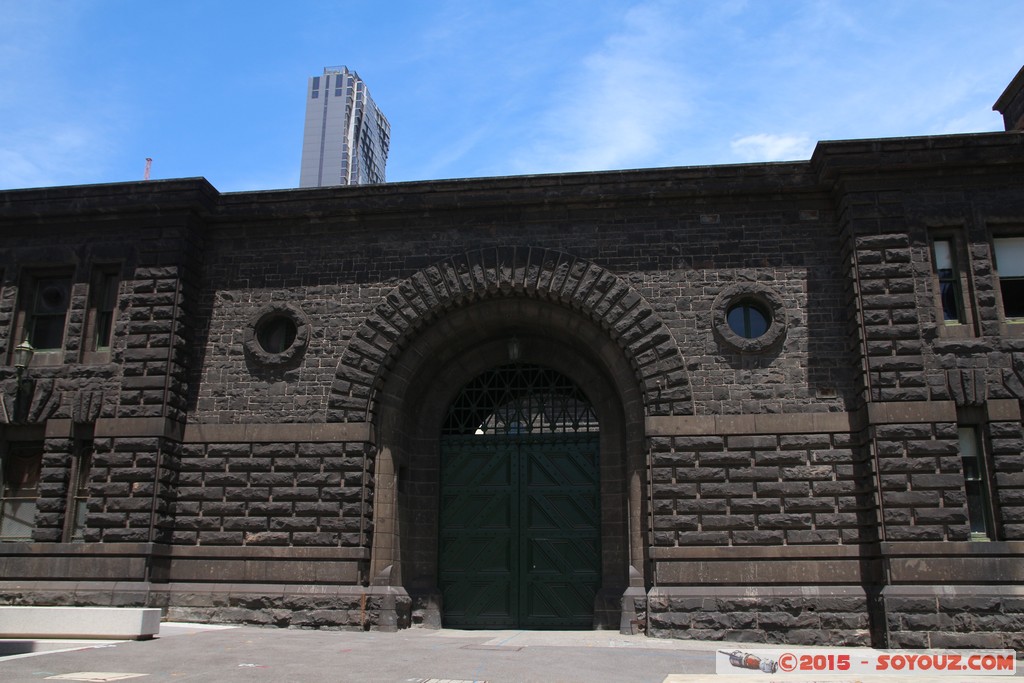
(193, 653)
(185, 652)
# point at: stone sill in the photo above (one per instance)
(182, 551)
(261, 552)
(775, 552)
(86, 549)
(952, 548)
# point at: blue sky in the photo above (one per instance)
(215, 88)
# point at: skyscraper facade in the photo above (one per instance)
(346, 136)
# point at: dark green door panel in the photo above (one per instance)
(478, 539)
(560, 533)
(520, 530)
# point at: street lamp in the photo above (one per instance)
(22, 357)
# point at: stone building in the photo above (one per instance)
(773, 402)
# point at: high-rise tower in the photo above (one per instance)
(346, 136)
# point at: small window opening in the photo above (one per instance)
(748, 319)
(975, 483)
(20, 491)
(1009, 256)
(48, 313)
(276, 334)
(949, 282)
(102, 304)
(79, 492)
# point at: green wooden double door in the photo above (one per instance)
(520, 530)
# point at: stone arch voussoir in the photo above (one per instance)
(603, 297)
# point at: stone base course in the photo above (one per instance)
(351, 608)
(762, 614)
(381, 608)
(990, 617)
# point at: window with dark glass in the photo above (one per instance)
(47, 311)
(948, 275)
(102, 304)
(78, 494)
(1009, 253)
(20, 491)
(975, 483)
(748, 319)
(276, 334)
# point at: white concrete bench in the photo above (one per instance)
(111, 623)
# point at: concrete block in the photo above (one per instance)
(111, 623)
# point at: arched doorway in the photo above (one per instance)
(520, 536)
(429, 375)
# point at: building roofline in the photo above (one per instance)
(829, 157)
(157, 196)
(1015, 86)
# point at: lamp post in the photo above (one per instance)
(22, 357)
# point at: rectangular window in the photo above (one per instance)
(78, 492)
(1009, 256)
(948, 275)
(20, 490)
(976, 483)
(102, 304)
(952, 283)
(46, 311)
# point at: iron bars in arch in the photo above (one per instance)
(520, 399)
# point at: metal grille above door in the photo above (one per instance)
(520, 399)
(520, 512)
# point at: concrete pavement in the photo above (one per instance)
(198, 653)
(192, 652)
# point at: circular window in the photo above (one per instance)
(749, 318)
(277, 335)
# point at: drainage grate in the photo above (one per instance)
(501, 648)
(440, 680)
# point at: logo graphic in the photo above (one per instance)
(745, 660)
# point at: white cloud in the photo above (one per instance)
(620, 105)
(18, 170)
(768, 147)
(451, 153)
(50, 134)
(49, 154)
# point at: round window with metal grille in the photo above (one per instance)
(749, 317)
(520, 399)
